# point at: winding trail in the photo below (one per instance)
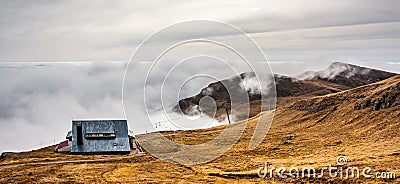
(68, 161)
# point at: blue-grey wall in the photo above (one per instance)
(97, 145)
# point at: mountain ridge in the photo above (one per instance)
(337, 77)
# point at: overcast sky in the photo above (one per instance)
(295, 36)
(317, 30)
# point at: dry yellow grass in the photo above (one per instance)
(367, 138)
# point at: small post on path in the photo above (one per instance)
(227, 114)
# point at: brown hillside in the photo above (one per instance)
(320, 129)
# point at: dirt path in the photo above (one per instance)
(68, 161)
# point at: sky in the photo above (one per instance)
(65, 59)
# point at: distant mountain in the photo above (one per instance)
(337, 77)
(347, 76)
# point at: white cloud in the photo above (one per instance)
(43, 97)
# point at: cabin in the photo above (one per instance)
(100, 136)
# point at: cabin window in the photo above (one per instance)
(79, 133)
(99, 135)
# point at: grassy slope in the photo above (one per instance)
(366, 137)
